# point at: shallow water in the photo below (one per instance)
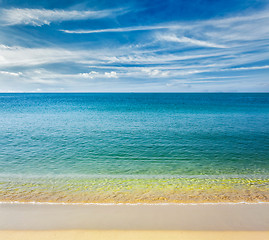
(134, 147)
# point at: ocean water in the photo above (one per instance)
(134, 147)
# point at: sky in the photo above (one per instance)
(134, 46)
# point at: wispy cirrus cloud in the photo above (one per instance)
(15, 56)
(20, 56)
(39, 17)
(124, 29)
(16, 74)
(247, 68)
(174, 38)
(176, 56)
(214, 33)
(221, 23)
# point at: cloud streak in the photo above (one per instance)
(174, 38)
(124, 29)
(221, 23)
(14, 74)
(19, 56)
(247, 68)
(39, 17)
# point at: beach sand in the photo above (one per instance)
(134, 221)
(134, 235)
(188, 217)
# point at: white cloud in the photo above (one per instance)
(19, 56)
(247, 68)
(155, 72)
(241, 18)
(174, 38)
(132, 57)
(111, 74)
(222, 77)
(125, 29)
(94, 74)
(39, 17)
(246, 26)
(2, 46)
(14, 74)
(91, 74)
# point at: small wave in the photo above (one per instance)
(132, 204)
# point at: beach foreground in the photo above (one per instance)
(167, 217)
(46, 221)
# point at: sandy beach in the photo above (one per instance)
(134, 235)
(144, 221)
(183, 217)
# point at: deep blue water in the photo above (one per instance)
(134, 134)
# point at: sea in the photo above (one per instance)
(134, 147)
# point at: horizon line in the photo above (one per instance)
(117, 92)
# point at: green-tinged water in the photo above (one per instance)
(134, 147)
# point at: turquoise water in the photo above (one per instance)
(58, 138)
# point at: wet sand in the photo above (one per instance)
(168, 217)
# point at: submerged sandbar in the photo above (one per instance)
(135, 190)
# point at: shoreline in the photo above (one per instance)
(130, 203)
(163, 217)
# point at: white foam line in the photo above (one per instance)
(133, 204)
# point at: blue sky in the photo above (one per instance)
(134, 46)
